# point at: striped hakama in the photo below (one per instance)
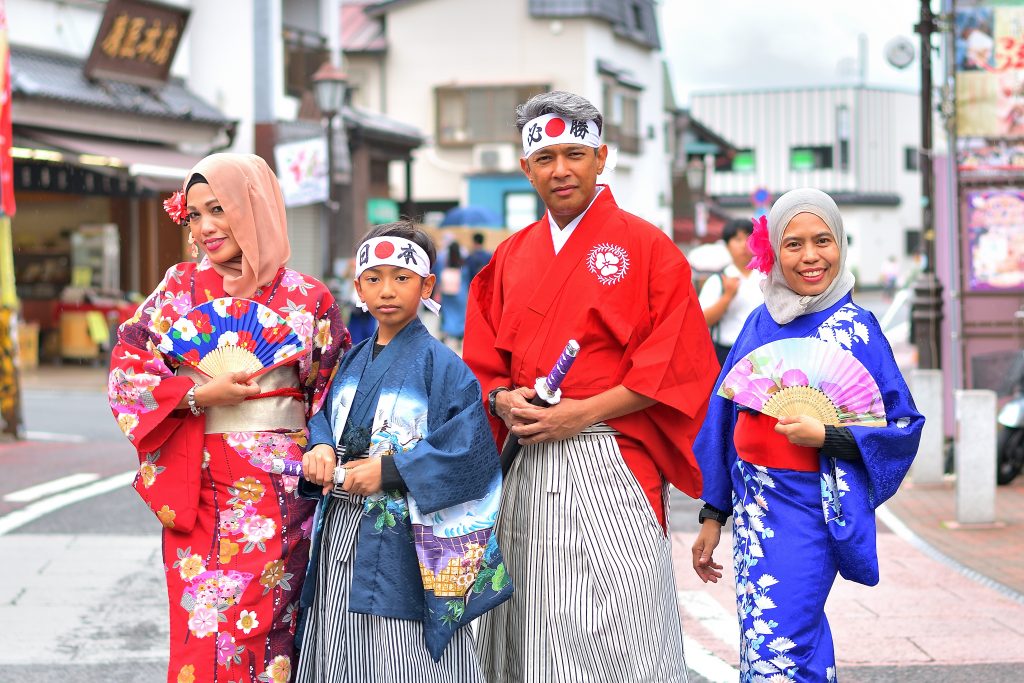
(340, 646)
(595, 598)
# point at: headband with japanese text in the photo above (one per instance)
(394, 251)
(552, 129)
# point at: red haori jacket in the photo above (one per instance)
(622, 289)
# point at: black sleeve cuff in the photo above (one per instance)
(390, 477)
(839, 443)
(709, 511)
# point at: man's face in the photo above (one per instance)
(565, 177)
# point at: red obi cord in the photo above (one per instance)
(289, 392)
(758, 443)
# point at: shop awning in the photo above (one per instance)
(154, 167)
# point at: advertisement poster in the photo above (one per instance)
(995, 233)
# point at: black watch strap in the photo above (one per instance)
(711, 512)
(492, 397)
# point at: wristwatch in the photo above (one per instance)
(196, 409)
(711, 512)
(492, 397)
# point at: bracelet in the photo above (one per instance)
(190, 396)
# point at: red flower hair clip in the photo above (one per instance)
(176, 209)
(761, 247)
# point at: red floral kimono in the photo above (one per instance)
(236, 537)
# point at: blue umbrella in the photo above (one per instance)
(472, 216)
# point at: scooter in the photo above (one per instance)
(1010, 445)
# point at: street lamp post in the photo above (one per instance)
(926, 310)
(329, 84)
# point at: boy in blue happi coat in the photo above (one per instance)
(403, 551)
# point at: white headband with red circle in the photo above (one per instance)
(552, 129)
(394, 251)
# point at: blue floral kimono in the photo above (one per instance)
(793, 531)
(428, 555)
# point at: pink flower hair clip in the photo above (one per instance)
(760, 246)
(176, 209)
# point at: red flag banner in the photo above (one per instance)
(7, 206)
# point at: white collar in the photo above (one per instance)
(559, 236)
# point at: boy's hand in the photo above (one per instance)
(363, 477)
(703, 551)
(318, 466)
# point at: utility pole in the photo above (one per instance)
(926, 310)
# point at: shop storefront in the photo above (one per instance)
(93, 160)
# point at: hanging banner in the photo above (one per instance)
(302, 171)
(995, 234)
(7, 206)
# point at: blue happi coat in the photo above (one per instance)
(794, 530)
(430, 554)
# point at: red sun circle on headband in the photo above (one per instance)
(554, 127)
(384, 250)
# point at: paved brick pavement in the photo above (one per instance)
(994, 551)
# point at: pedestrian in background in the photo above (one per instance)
(236, 536)
(477, 259)
(802, 494)
(454, 287)
(729, 296)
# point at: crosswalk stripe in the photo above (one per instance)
(53, 436)
(27, 495)
(33, 511)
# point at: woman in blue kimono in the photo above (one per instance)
(802, 494)
(404, 553)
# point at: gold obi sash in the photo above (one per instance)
(273, 413)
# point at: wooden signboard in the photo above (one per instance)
(136, 42)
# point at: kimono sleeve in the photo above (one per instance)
(330, 340)
(886, 452)
(491, 365)
(144, 395)
(457, 462)
(675, 363)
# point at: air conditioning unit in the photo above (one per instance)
(495, 157)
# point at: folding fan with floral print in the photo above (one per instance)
(232, 335)
(806, 376)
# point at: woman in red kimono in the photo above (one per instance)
(236, 536)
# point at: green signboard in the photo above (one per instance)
(381, 211)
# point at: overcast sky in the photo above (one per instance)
(715, 44)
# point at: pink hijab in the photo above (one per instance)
(252, 201)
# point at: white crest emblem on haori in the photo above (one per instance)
(609, 262)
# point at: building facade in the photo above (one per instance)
(859, 144)
(462, 92)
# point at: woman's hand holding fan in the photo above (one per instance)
(228, 389)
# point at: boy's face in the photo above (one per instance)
(392, 295)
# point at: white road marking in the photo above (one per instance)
(701, 607)
(702, 661)
(29, 513)
(53, 436)
(712, 616)
(27, 495)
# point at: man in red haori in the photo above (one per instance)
(584, 508)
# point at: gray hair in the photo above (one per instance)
(565, 104)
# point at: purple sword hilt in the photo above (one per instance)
(294, 468)
(548, 387)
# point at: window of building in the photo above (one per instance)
(304, 53)
(621, 116)
(911, 159)
(743, 161)
(843, 137)
(471, 115)
(810, 158)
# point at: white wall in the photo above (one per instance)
(491, 43)
(641, 182)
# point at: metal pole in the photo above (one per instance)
(332, 201)
(926, 312)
